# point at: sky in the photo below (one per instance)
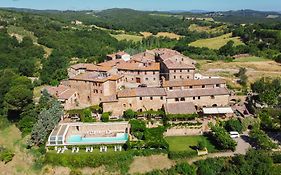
(160, 5)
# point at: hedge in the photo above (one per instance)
(181, 154)
(182, 116)
(113, 161)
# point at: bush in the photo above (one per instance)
(276, 157)
(75, 172)
(181, 154)
(129, 114)
(201, 145)
(6, 155)
(233, 125)
(183, 117)
(105, 117)
(222, 139)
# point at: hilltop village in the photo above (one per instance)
(151, 80)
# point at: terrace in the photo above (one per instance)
(73, 134)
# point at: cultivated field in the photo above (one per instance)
(256, 68)
(207, 29)
(134, 38)
(169, 35)
(217, 42)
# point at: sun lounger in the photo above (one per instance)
(59, 150)
(92, 149)
(62, 151)
(77, 150)
(73, 149)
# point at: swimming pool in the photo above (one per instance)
(77, 139)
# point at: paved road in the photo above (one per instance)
(241, 148)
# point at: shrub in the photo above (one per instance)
(181, 154)
(233, 125)
(276, 157)
(201, 145)
(75, 172)
(183, 117)
(222, 138)
(6, 155)
(105, 117)
(129, 114)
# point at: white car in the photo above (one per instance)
(234, 134)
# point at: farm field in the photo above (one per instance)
(216, 42)
(256, 68)
(169, 35)
(250, 59)
(184, 143)
(134, 38)
(197, 28)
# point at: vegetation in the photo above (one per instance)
(180, 168)
(261, 140)
(233, 125)
(217, 42)
(222, 139)
(6, 155)
(254, 162)
(268, 91)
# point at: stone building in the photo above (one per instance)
(68, 97)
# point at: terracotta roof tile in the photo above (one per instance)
(197, 92)
(180, 108)
(95, 77)
(180, 83)
(61, 91)
(142, 92)
(139, 66)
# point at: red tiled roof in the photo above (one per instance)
(180, 83)
(142, 92)
(111, 63)
(180, 108)
(91, 67)
(139, 66)
(197, 92)
(94, 77)
(177, 65)
(61, 91)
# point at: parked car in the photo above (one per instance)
(234, 134)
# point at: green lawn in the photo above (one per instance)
(250, 59)
(216, 42)
(184, 143)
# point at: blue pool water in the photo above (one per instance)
(77, 139)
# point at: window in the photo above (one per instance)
(101, 91)
(175, 71)
(170, 88)
(180, 70)
(175, 77)
(145, 72)
(151, 98)
(187, 77)
(182, 99)
(203, 86)
(130, 105)
(161, 98)
(124, 105)
(188, 70)
(132, 79)
(146, 78)
(212, 97)
(180, 77)
(193, 98)
(199, 98)
(176, 99)
(217, 85)
(140, 98)
(190, 87)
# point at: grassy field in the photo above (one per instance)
(184, 143)
(217, 42)
(150, 163)
(197, 28)
(169, 35)
(134, 38)
(20, 32)
(250, 59)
